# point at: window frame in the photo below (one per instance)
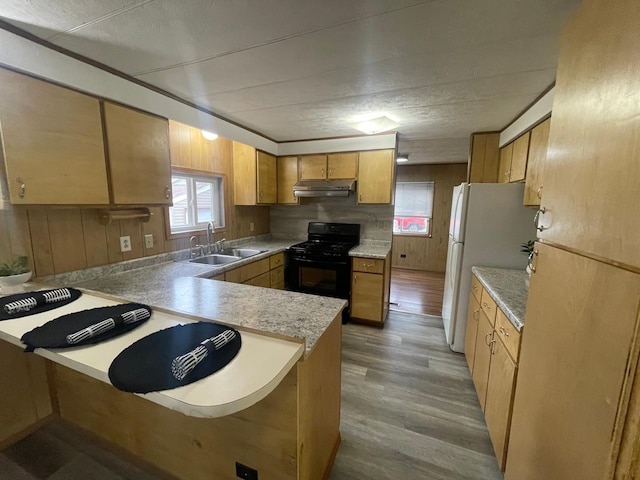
(223, 195)
(429, 232)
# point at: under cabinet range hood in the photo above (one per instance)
(324, 188)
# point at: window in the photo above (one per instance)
(413, 209)
(197, 200)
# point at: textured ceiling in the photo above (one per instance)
(305, 69)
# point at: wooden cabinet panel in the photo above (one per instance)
(476, 288)
(277, 277)
(504, 171)
(591, 176)
(262, 280)
(484, 340)
(519, 158)
(535, 164)
(342, 165)
(371, 265)
(276, 260)
(485, 158)
(574, 372)
(506, 332)
(244, 174)
(313, 167)
(488, 306)
(53, 145)
(497, 412)
(248, 271)
(139, 160)
(471, 334)
(367, 296)
(376, 177)
(287, 168)
(266, 178)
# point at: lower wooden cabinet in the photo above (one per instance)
(370, 282)
(267, 272)
(482, 357)
(472, 331)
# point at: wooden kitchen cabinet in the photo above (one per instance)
(471, 334)
(287, 168)
(519, 158)
(370, 282)
(139, 159)
(538, 145)
(52, 142)
(376, 177)
(482, 358)
(485, 158)
(254, 176)
(266, 272)
(313, 167)
(332, 166)
(504, 170)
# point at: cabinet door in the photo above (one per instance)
(485, 157)
(342, 165)
(537, 156)
(287, 177)
(376, 176)
(575, 359)
(313, 167)
(244, 174)
(367, 296)
(497, 412)
(277, 277)
(519, 158)
(471, 334)
(504, 171)
(263, 280)
(139, 161)
(484, 341)
(267, 180)
(53, 144)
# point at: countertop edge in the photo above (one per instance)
(511, 311)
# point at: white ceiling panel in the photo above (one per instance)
(294, 69)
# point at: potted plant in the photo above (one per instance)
(527, 247)
(13, 275)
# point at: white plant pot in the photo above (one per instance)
(13, 283)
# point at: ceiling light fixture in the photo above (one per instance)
(375, 125)
(402, 158)
(209, 135)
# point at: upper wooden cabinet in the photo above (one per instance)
(52, 140)
(139, 160)
(331, 166)
(535, 164)
(519, 158)
(485, 158)
(287, 168)
(376, 176)
(504, 170)
(254, 176)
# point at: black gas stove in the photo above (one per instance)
(321, 265)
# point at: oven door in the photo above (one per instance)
(331, 279)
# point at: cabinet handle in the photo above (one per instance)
(485, 304)
(167, 192)
(367, 265)
(491, 345)
(539, 192)
(536, 217)
(530, 262)
(322, 172)
(355, 278)
(476, 315)
(23, 187)
(486, 338)
(360, 197)
(504, 332)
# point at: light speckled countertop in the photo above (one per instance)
(370, 251)
(508, 288)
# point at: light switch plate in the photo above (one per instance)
(125, 244)
(148, 240)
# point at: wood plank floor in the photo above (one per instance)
(409, 411)
(416, 291)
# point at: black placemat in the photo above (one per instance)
(145, 366)
(53, 334)
(75, 294)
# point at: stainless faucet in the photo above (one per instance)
(195, 250)
(210, 231)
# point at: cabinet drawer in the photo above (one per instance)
(277, 277)
(276, 260)
(488, 306)
(476, 288)
(263, 280)
(508, 334)
(244, 273)
(370, 265)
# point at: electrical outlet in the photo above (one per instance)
(148, 240)
(246, 473)
(125, 244)
(252, 227)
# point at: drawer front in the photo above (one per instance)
(488, 306)
(506, 332)
(276, 260)
(277, 278)
(244, 273)
(263, 280)
(370, 265)
(476, 288)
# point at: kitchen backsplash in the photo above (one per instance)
(290, 222)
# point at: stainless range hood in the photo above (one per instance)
(324, 188)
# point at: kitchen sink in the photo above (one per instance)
(216, 259)
(240, 252)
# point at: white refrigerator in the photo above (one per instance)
(488, 226)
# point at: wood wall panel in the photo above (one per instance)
(424, 253)
(95, 238)
(67, 239)
(155, 227)
(15, 238)
(132, 228)
(113, 242)
(41, 242)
